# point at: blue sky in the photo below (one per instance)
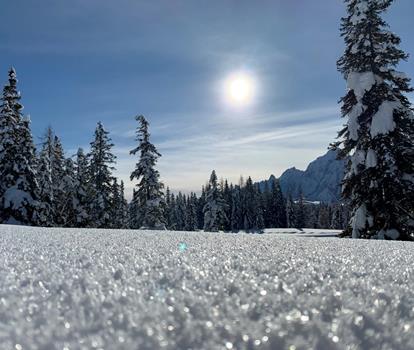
(80, 62)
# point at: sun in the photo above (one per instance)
(239, 89)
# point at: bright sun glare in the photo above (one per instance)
(239, 89)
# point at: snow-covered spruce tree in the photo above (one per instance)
(149, 196)
(290, 212)
(324, 216)
(179, 212)
(191, 213)
(379, 134)
(172, 217)
(123, 209)
(236, 218)
(116, 205)
(226, 190)
(58, 173)
(276, 206)
(119, 207)
(300, 211)
(253, 214)
(100, 176)
(83, 190)
(69, 204)
(44, 177)
(214, 209)
(337, 219)
(18, 187)
(200, 208)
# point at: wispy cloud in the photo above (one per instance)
(257, 146)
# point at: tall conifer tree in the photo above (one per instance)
(19, 191)
(149, 196)
(101, 178)
(215, 207)
(379, 134)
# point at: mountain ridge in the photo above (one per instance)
(320, 181)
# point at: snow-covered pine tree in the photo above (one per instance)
(379, 134)
(167, 207)
(300, 211)
(18, 188)
(290, 212)
(68, 205)
(277, 206)
(149, 196)
(116, 205)
(58, 172)
(228, 209)
(191, 213)
(324, 216)
(179, 212)
(236, 212)
(337, 220)
(172, 213)
(133, 219)
(200, 208)
(251, 206)
(119, 207)
(83, 190)
(123, 210)
(100, 175)
(214, 209)
(44, 177)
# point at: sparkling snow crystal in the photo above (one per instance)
(113, 289)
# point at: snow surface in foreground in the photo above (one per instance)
(97, 289)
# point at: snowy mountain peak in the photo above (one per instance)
(319, 182)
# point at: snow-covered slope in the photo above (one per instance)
(319, 182)
(102, 289)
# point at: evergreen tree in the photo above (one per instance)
(133, 219)
(69, 203)
(276, 206)
(149, 196)
(337, 219)
(116, 205)
(214, 209)
(83, 190)
(379, 134)
(200, 208)
(119, 208)
(58, 173)
(191, 213)
(44, 177)
(100, 174)
(123, 210)
(300, 211)
(168, 208)
(290, 212)
(324, 216)
(227, 197)
(172, 213)
(179, 212)
(19, 189)
(251, 206)
(236, 212)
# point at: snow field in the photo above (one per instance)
(109, 289)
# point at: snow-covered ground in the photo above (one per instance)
(98, 289)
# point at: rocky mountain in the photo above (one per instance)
(319, 182)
